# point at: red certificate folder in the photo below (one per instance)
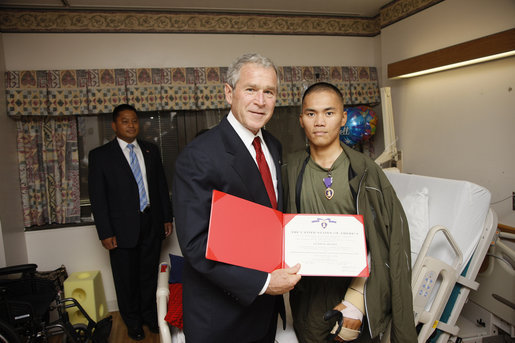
(250, 235)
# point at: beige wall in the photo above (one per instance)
(456, 124)
(74, 51)
(12, 242)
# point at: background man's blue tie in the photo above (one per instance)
(143, 202)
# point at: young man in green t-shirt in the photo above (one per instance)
(332, 178)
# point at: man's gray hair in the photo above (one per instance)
(233, 72)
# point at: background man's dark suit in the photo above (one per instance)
(218, 296)
(114, 199)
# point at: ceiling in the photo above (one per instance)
(354, 8)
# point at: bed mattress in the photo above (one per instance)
(460, 206)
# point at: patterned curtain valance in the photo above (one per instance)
(94, 91)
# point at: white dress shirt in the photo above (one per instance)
(248, 137)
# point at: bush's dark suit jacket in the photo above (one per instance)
(221, 302)
(114, 196)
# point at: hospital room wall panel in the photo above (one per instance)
(452, 130)
(456, 124)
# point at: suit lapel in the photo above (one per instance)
(244, 165)
(119, 158)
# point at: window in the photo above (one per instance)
(171, 131)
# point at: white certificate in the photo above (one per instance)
(326, 245)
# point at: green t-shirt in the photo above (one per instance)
(313, 296)
(313, 199)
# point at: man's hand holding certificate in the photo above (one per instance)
(254, 236)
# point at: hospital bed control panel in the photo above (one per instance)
(425, 288)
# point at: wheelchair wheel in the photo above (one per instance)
(8, 335)
(80, 334)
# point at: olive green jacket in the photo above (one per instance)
(388, 294)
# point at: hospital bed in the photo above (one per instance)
(451, 228)
(490, 312)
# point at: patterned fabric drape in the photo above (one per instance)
(94, 91)
(45, 102)
(49, 170)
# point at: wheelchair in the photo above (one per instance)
(33, 309)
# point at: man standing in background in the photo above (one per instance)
(132, 211)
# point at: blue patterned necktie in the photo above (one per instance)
(143, 202)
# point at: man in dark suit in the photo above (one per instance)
(221, 302)
(131, 206)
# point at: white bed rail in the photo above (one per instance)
(167, 333)
(432, 284)
(468, 280)
(162, 294)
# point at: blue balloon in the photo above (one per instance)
(370, 121)
(355, 128)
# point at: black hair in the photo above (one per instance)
(323, 86)
(122, 107)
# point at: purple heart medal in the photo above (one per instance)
(328, 182)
